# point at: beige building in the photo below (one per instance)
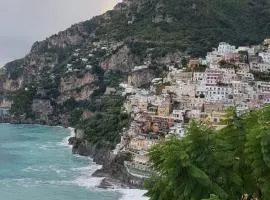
(164, 109)
(141, 144)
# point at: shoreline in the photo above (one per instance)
(108, 182)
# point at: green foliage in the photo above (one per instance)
(227, 163)
(212, 197)
(22, 102)
(113, 78)
(75, 117)
(108, 121)
(261, 76)
(15, 69)
(195, 26)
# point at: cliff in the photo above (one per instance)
(63, 79)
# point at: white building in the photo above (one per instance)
(239, 87)
(225, 48)
(260, 67)
(178, 130)
(263, 87)
(251, 50)
(198, 76)
(215, 93)
(265, 56)
(178, 115)
(245, 76)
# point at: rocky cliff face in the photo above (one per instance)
(80, 62)
(113, 165)
(140, 78)
(63, 79)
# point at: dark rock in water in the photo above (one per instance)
(113, 165)
(105, 184)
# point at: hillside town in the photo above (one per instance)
(202, 90)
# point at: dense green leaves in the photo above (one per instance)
(222, 164)
(22, 101)
(108, 121)
(192, 26)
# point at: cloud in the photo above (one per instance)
(23, 22)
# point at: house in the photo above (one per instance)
(263, 87)
(198, 76)
(215, 107)
(260, 67)
(265, 56)
(193, 64)
(225, 48)
(164, 109)
(215, 93)
(178, 130)
(217, 118)
(141, 143)
(178, 115)
(183, 76)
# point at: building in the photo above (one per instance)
(225, 48)
(263, 87)
(178, 129)
(193, 64)
(260, 67)
(164, 109)
(265, 56)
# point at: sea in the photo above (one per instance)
(36, 163)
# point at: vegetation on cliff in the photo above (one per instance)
(22, 102)
(150, 29)
(194, 26)
(227, 163)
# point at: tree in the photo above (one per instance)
(230, 163)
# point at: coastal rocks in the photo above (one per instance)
(113, 165)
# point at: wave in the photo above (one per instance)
(65, 142)
(52, 168)
(85, 179)
(135, 194)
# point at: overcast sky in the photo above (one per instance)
(23, 22)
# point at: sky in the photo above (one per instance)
(23, 22)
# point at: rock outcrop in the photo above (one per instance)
(113, 165)
(140, 78)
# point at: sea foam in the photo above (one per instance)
(134, 194)
(65, 142)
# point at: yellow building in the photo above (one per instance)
(141, 159)
(141, 144)
(266, 43)
(214, 119)
(143, 106)
(164, 109)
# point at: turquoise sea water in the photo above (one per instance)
(36, 164)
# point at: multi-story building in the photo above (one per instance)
(225, 48)
(178, 115)
(265, 56)
(215, 93)
(263, 87)
(260, 67)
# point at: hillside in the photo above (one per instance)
(64, 78)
